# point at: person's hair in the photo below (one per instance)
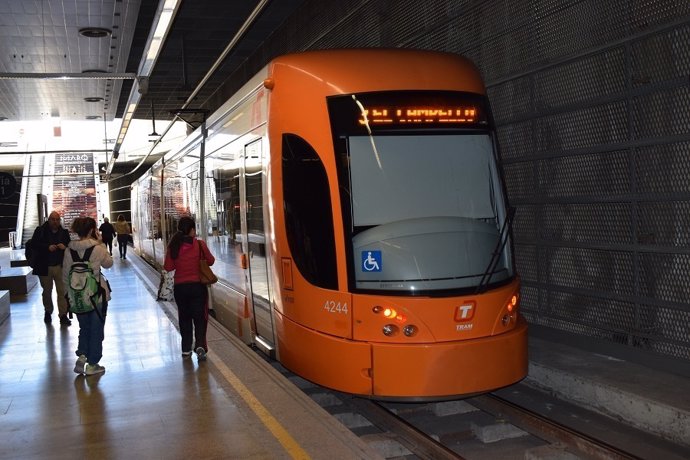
(120, 218)
(84, 226)
(184, 227)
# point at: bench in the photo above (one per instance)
(4, 306)
(19, 263)
(17, 280)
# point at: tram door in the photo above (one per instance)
(255, 242)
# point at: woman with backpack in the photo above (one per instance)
(83, 261)
(191, 296)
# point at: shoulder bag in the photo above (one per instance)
(206, 275)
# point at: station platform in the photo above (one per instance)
(650, 400)
(151, 402)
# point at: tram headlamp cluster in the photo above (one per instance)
(389, 330)
(511, 307)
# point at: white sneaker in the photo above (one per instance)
(79, 365)
(186, 354)
(93, 369)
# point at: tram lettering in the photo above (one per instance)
(463, 327)
(332, 306)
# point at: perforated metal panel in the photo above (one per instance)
(595, 144)
(592, 103)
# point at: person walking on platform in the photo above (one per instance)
(107, 233)
(92, 323)
(191, 296)
(123, 231)
(48, 244)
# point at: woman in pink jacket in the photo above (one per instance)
(191, 297)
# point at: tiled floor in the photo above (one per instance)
(150, 403)
(148, 396)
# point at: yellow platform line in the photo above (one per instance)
(280, 433)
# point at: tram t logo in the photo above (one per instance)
(464, 312)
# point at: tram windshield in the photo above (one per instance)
(424, 209)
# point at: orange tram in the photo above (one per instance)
(356, 208)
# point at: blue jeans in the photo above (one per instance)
(91, 336)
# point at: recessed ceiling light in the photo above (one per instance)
(3, 118)
(93, 99)
(95, 32)
(93, 117)
(94, 71)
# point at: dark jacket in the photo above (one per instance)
(41, 239)
(107, 231)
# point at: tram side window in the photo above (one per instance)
(308, 215)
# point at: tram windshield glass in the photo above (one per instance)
(423, 205)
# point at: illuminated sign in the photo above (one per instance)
(389, 111)
(418, 115)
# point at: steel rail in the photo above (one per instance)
(418, 442)
(549, 430)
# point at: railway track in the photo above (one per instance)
(549, 430)
(480, 428)
(422, 443)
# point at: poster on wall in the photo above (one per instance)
(74, 187)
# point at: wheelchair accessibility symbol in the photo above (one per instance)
(371, 261)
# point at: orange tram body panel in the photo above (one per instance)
(362, 192)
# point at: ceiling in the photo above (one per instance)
(81, 59)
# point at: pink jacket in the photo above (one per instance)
(186, 265)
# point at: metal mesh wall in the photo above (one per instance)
(592, 101)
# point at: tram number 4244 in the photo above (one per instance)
(332, 306)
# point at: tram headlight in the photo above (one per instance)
(505, 320)
(390, 330)
(410, 330)
(390, 313)
(512, 305)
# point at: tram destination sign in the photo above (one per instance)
(418, 115)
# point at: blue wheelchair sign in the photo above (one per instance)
(371, 261)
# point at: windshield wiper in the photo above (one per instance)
(496, 255)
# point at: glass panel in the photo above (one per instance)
(226, 241)
(256, 238)
(424, 211)
(406, 177)
(308, 213)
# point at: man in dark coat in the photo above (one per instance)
(48, 243)
(107, 233)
